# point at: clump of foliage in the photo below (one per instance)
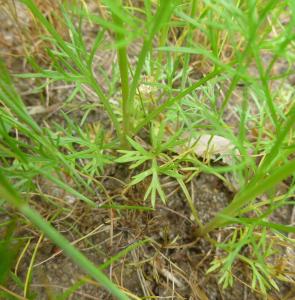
(156, 108)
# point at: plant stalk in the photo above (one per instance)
(251, 191)
(12, 197)
(123, 66)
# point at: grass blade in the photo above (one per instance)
(11, 196)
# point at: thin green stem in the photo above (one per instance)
(154, 114)
(107, 106)
(11, 196)
(161, 16)
(251, 191)
(191, 204)
(30, 269)
(123, 66)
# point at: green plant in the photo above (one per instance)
(263, 273)
(139, 156)
(159, 112)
